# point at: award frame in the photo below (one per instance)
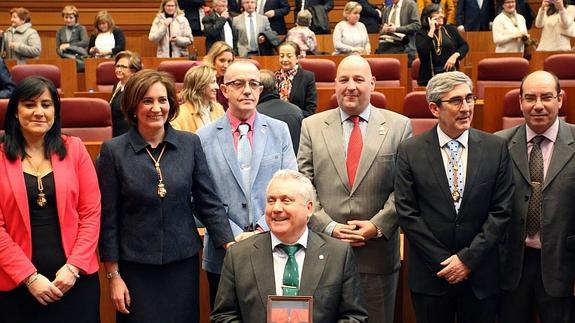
(280, 309)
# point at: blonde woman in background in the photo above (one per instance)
(220, 56)
(200, 106)
(21, 41)
(350, 36)
(171, 31)
(107, 40)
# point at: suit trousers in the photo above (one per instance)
(379, 295)
(459, 305)
(521, 304)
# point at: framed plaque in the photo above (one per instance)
(290, 309)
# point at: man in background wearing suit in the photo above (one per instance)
(275, 10)
(249, 25)
(218, 26)
(349, 155)
(453, 191)
(539, 250)
(243, 149)
(370, 16)
(258, 267)
(7, 85)
(475, 15)
(402, 17)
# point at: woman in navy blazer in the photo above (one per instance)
(49, 214)
(154, 179)
(295, 84)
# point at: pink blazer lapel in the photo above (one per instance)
(59, 171)
(16, 179)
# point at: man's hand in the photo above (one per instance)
(455, 270)
(245, 235)
(348, 233)
(270, 13)
(388, 28)
(364, 227)
(225, 14)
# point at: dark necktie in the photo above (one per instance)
(536, 168)
(354, 147)
(290, 282)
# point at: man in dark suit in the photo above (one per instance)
(370, 16)
(538, 251)
(192, 11)
(271, 105)
(258, 267)
(475, 15)
(453, 195)
(7, 85)
(218, 26)
(402, 17)
(275, 10)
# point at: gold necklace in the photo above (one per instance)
(455, 195)
(162, 192)
(41, 198)
(439, 40)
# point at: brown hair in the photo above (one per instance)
(103, 16)
(70, 10)
(134, 58)
(22, 13)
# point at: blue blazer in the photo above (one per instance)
(272, 150)
(474, 18)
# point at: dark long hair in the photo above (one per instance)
(14, 142)
(426, 13)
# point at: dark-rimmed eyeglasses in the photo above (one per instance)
(458, 100)
(241, 84)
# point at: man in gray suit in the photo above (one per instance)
(249, 25)
(402, 18)
(349, 155)
(538, 251)
(258, 267)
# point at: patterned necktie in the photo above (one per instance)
(244, 154)
(536, 173)
(455, 175)
(290, 283)
(354, 147)
(253, 43)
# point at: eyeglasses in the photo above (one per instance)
(122, 67)
(241, 84)
(545, 98)
(458, 100)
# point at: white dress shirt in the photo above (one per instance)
(281, 258)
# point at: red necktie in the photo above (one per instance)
(354, 148)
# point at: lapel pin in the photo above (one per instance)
(321, 257)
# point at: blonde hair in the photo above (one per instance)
(350, 7)
(178, 10)
(103, 16)
(217, 49)
(197, 79)
(70, 10)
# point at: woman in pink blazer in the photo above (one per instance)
(49, 214)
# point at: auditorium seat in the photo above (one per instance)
(178, 69)
(387, 71)
(51, 72)
(106, 77)
(416, 108)
(501, 71)
(377, 99)
(87, 118)
(3, 107)
(415, 73)
(324, 69)
(512, 114)
(562, 65)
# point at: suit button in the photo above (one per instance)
(244, 204)
(526, 198)
(522, 220)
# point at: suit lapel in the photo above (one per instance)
(562, 153)
(518, 152)
(59, 171)
(375, 135)
(263, 267)
(16, 179)
(435, 161)
(333, 137)
(226, 141)
(260, 138)
(296, 84)
(313, 264)
(474, 156)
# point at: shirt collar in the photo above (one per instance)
(302, 240)
(138, 143)
(399, 3)
(363, 115)
(463, 139)
(235, 122)
(550, 134)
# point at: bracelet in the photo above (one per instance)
(32, 279)
(112, 274)
(77, 275)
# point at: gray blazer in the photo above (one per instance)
(329, 274)
(409, 20)
(239, 24)
(272, 150)
(558, 222)
(321, 158)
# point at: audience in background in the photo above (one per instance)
(107, 40)
(192, 9)
(275, 10)
(21, 41)
(126, 64)
(6, 83)
(350, 35)
(320, 11)
(370, 16)
(171, 31)
(400, 23)
(475, 15)
(509, 30)
(295, 84)
(218, 26)
(556, 19)
(220, 56)
(250, 26)
(302, 35)
(148, 177)
(440, 47)
(50, 214)
(72, 39)
(447, 6)
(199, 106)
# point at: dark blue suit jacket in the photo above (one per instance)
(281, 8)
(6, 83)
(472, 17)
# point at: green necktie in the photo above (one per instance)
(290, 283)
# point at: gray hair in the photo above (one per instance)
(305, 187)
(268, 80)
(445, 82)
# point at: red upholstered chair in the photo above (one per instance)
(562, 65)
(387, 71)
(416, 108)
(415, 73)
(87, 118)
(106, 77)
(51, 72)
(501, 71)
(3, 107)
(178, 69)
(512, 114)
(377, 99)
(324, 69)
